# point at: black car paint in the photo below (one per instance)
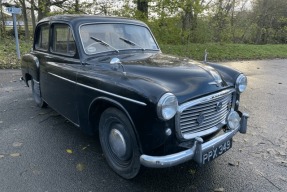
(148, 75)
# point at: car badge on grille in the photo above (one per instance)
(200, 119)
(218, 106)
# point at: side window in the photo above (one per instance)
(63, 40)
(42, 38)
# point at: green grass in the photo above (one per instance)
(216, 52)
(8, 56)
(227, 52)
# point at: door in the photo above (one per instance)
(58, 72)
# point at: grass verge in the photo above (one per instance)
(8, 56)
(227, 52)
(216, 52)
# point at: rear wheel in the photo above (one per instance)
(37, 95)
(119, 143)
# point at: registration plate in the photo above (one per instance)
(216, 151)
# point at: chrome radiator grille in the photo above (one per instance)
(204, 115)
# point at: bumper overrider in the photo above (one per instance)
(196, 152)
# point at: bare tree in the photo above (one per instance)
(25, 18)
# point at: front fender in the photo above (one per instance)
(228, 74)
(30, 66)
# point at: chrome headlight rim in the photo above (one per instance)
(241, 83)
(162, 106)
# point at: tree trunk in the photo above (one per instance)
(142, 6)
(77, 6)
(23, 4)
(232, 21)
(3, 22)
(189, 22)
(33, 14)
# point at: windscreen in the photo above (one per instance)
(98, 38)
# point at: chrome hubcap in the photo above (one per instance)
(117, 143)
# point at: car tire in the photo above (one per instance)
(37, 96)
(119, 143)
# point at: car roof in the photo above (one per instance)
(76, 19)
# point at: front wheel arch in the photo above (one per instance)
(99, 105)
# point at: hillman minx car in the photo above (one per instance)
(107, 75)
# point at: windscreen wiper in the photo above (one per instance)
(104, 43)
(131, 43)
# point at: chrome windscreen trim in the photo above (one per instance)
(102, 91)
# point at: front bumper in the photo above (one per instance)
(194, 153)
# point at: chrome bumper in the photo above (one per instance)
(194, 153)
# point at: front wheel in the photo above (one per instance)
(37, 95)
(119, 143)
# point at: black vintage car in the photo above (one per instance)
(107, 75)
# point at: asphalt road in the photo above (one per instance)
(41, 151)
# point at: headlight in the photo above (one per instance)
(241, 83)
(233, 120)
(167, 106)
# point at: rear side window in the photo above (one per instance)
(42, 38)
(63, 40)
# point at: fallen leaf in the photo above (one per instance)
(283, 162)
(85, 147)
(80, 167)
(192, 171)
(69, 151)
(36, 172)
(234, 164)
(219, 190)
(253, 134)
(17, 144)
(283, 179)
(271, 151)
(15, 154)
